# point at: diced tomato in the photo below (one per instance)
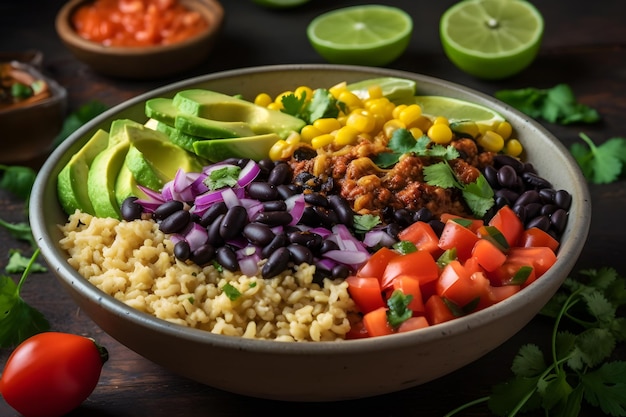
(376, 323)
(488, 255)
(413, 323)
(502, 293)
(410, 285)
(436, 311)
(473, 224)
(540, 258)
(376, 264)
(506, 221)
(366, 293)
(357, 331)
(457, 236)
(422, 235)
(534, 237)
(461, 287)
(510, 272)
(419, 264)
(472, 265)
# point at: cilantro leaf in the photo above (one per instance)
(222, 177)
(20, 231)
(365, 222)
(322, 104)
(18, 320)
(600, 164)
(231, 292)
(18, 180)
(555, 105)
(18, 264)
(605, 387)
(403, 142)
(399, 310)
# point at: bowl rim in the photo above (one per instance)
(67, 33)
(568, 253)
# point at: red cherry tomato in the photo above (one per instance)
(50, 374)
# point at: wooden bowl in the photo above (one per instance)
(144, 62)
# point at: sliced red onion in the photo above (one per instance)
(196, 236)
(230, 197)
(347, 257)
(248, 173)
(295, 207)
(377, 237)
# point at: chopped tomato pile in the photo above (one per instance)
(431, 279)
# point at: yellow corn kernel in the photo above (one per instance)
(293, 138)
(305, 91)
(410, 114)
(322, 140)
(513, 147)
(263, 99)
(391, 126)
(361, 121)
(308, 132)
(350, 99)
(327, 124)
(491, 141)
(381, 106)
(278, 149)
(346, 135)
(336, 89)
(504, 129)
(396, 111)
(416, 132)
(441, 120)
(424, 123)
(440, 133)
(375, 91)
(275, 106)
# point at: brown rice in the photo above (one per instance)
(134, 262)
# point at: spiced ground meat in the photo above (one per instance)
(351, 172)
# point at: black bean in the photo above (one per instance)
(547, 209)
(280, 174)
(274, 218)
(167, 208)
(520, 210)
(563, 199)
(310, 217)
(266, 165)
(182, 250)
(214, 236)
(305, 238)
(327, 217)
(533, 210)
(258, 234)
(276, 263)
(316, 199)
(328, 245)
(508, 195)
(340, 271)
(403, 217)
(535, 180)
(559, 220)
(547, 195)
(203, 254)
(423, 215)
(226, 257)
(233, 222)
(507, 177)
(491, 175)
(300, 254)
(278, 241)
(130, 209)
(541, 222)
(529, 167)
(304, 153)
(528, 197)
(393, 229)
(212, 213)
(262, 191)
(175, 222)
(437, 226)
(501, 160)
(341, 206)
(274, 205)
(286, 190)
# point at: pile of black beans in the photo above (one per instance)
(533, 198)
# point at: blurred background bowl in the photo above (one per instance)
(28, 129)
(143, 62)
(315, 371)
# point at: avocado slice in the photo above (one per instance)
(211, 129)
(177, 137)
(211, 105)
(102, 177)
(126, 186)
(161, 109)
(253, 147)
(71, 181)
(142, 170)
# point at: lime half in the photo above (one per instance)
(395, 89)
(372, 35)
(458, 111)
(491, 39)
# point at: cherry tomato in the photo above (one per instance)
(51, 373)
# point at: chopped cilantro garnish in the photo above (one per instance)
(231, 292)
(404, 247)
(403, 142)
(18, 263)
(365, 222)
(321, 105)
(222, 177)
(600, 164)
(399, 310)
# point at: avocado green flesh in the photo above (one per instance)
(182, 139)
(71, 184)
(102, 177)
(142, 170)
(126, 186)
(255, 147)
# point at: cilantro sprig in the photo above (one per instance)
(321, 105)
(580, 367)
(600, 164)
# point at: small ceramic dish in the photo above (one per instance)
(143, 62)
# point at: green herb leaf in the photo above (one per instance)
(231, 292)
(600, 164)
(555, 105)
(20, 231)
(18, 180)
(365, 222)
(404, 247)
(78, 118)
(18, 264)
(399, 310)
(321, 105)
(222, 177)
(18, 320)
(605, 388)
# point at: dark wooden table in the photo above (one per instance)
(584, 46)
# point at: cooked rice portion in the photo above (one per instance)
(134, 262)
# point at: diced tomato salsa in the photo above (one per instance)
(492, 262)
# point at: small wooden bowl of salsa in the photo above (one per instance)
(140, 39)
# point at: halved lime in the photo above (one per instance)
(458, 111)
(372, 35)
(491, 39)
(392, 87)
(280, 4)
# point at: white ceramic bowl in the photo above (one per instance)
(312, 371)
